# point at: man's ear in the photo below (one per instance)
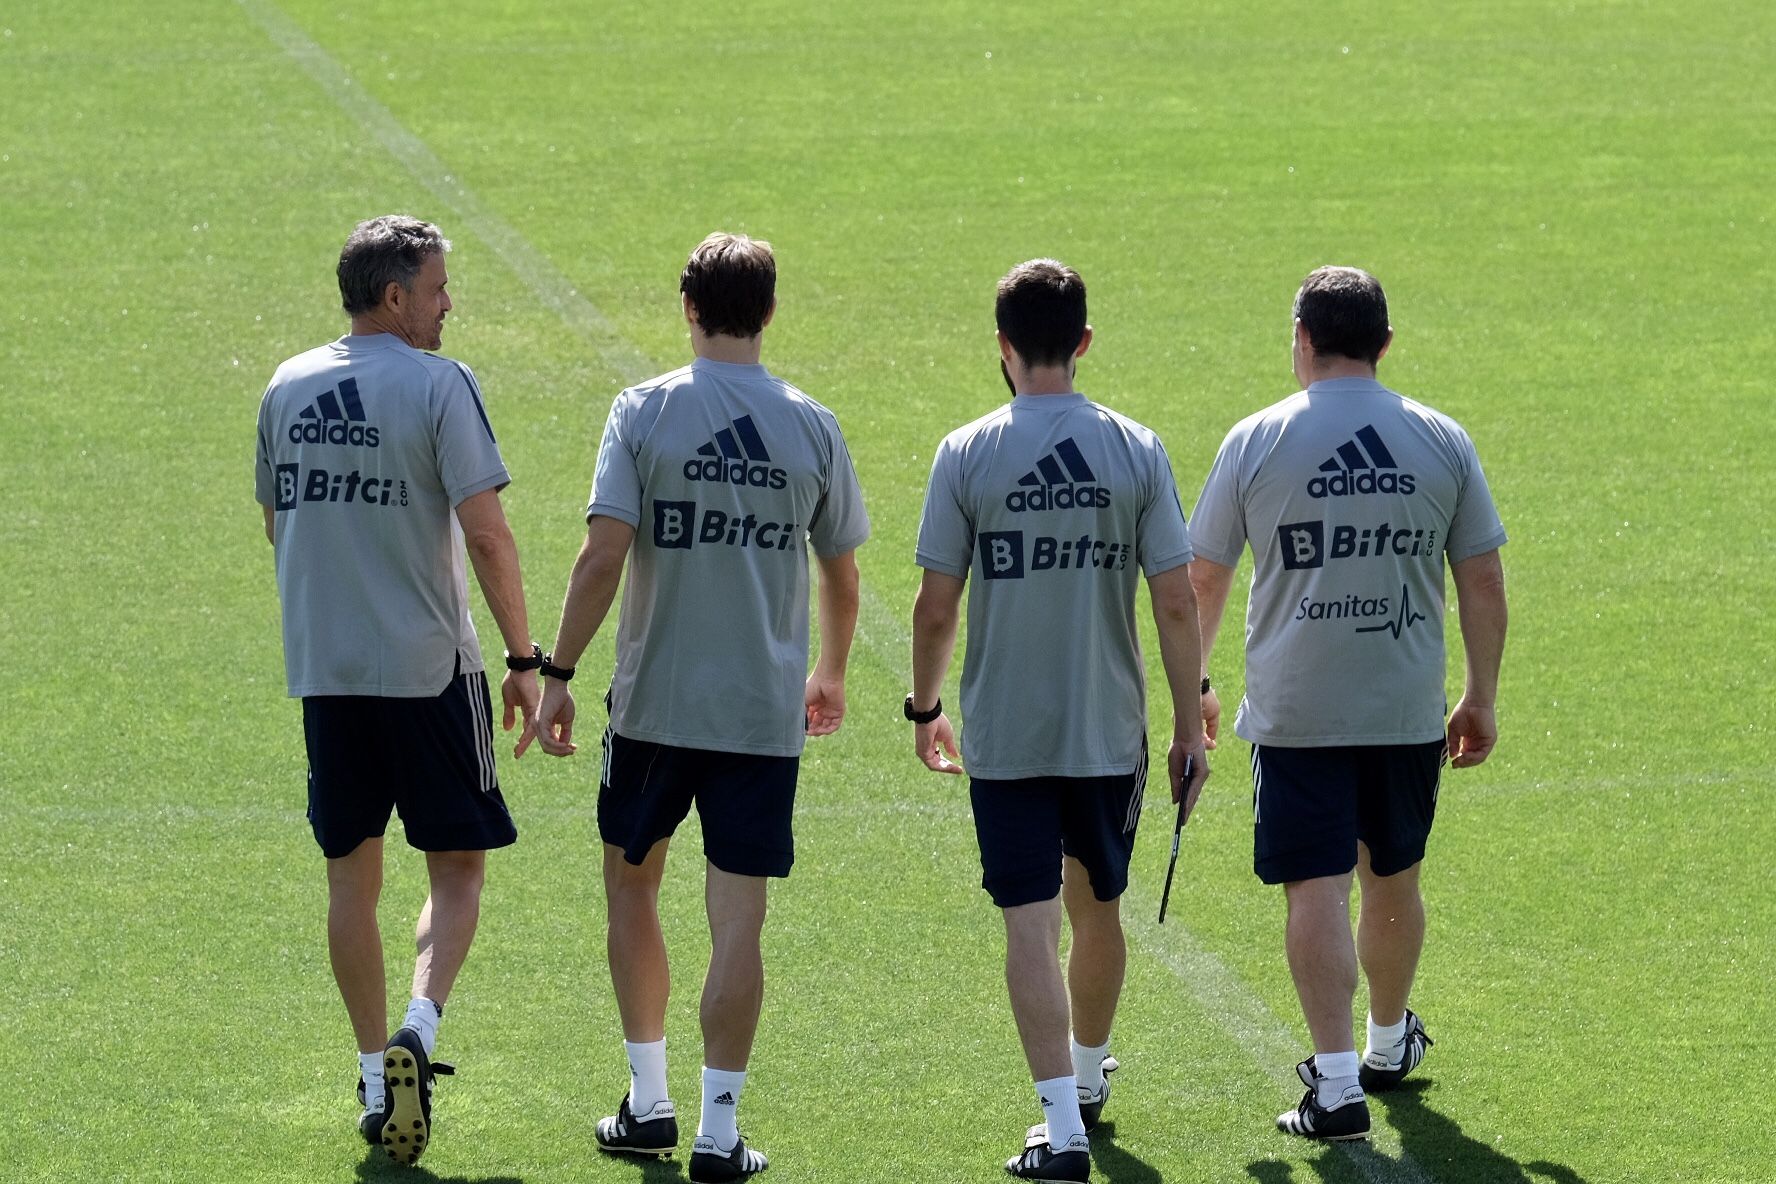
(690, 310)
(769, 313)
(393, 294)
(1004, 347)
(1084, 343)
(1384, 345)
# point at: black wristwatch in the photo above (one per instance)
(550, 670)
(920, 717)
(530, 661)
(1205, 687)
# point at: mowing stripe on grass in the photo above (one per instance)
(542, 277)
(1228, 1001)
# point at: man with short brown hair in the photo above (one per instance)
(1353, 499)
(376, 465)
(713, 482)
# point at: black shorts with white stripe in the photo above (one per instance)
(1024, 827)
(1312, 806)
(430, 759)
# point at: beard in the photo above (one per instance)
(1006, 375)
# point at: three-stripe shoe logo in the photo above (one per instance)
(1361, 464)
(335, 417)
(736, 455)
(1061, 480)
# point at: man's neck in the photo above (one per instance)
(721, 347)
(1338, 367)
(369, 324)
(1045, 380)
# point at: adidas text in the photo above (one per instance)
(1361, 481)
(312, 431)
(1057, 497)
(735, 472)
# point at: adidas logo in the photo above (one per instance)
(1351, 471)
(335, 418)
(736, 456)
(724, 1098)
(1060, 481)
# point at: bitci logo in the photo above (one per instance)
(678, 528)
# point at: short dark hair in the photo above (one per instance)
(389, 249)
(1041, 311)
(1345, 313)
(732, 281)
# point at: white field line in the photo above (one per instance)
(1223, 995)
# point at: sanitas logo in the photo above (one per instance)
(324, 422)
(1351, 472)
(737, 456)
(1061, 480)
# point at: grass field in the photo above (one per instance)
(1571, 208)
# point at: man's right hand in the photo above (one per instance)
(521, 694)
(1187, 791)
(1473, 730)
(554, 724)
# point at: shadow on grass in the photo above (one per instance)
(378, 1168)
(1434, 1142)
(1438, 1144)
(1116, 1165)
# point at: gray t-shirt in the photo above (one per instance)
(728, 475)
(1054, 505)
(366, 446)
(1351, 496)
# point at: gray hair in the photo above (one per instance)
(389, 249)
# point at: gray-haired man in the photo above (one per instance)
(376, 465)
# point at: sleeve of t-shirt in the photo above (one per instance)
(616, 481)
(1162, 538)
(264, 481)
(946, 533)
(1475, 529)
(468, 457)
(1218, 523)
(841, 524)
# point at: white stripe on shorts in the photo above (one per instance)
(1139, 794)
(483, 725)
(1257, 785)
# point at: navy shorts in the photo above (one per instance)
(1311, 806)
(431, 759)
(745, 802)
(1026, 825)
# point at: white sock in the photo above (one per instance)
(647, 1075)
(1088, 1066)
(1384, 1040)
(1338, 1073)
(423, 1016)
(721, 1099)
(370, 1069)
(1060, 1107)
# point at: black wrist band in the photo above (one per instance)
(531, 661)
(1205, 687)
(561, 673)
(920, 717)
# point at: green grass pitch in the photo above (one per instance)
(1570, 206)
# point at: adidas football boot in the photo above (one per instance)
(1091, 1105)
(407, 1096)
(1345, 1120)
(1070, 1165)
(653, 1133)
(711, 1165)
(1386, 1068)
